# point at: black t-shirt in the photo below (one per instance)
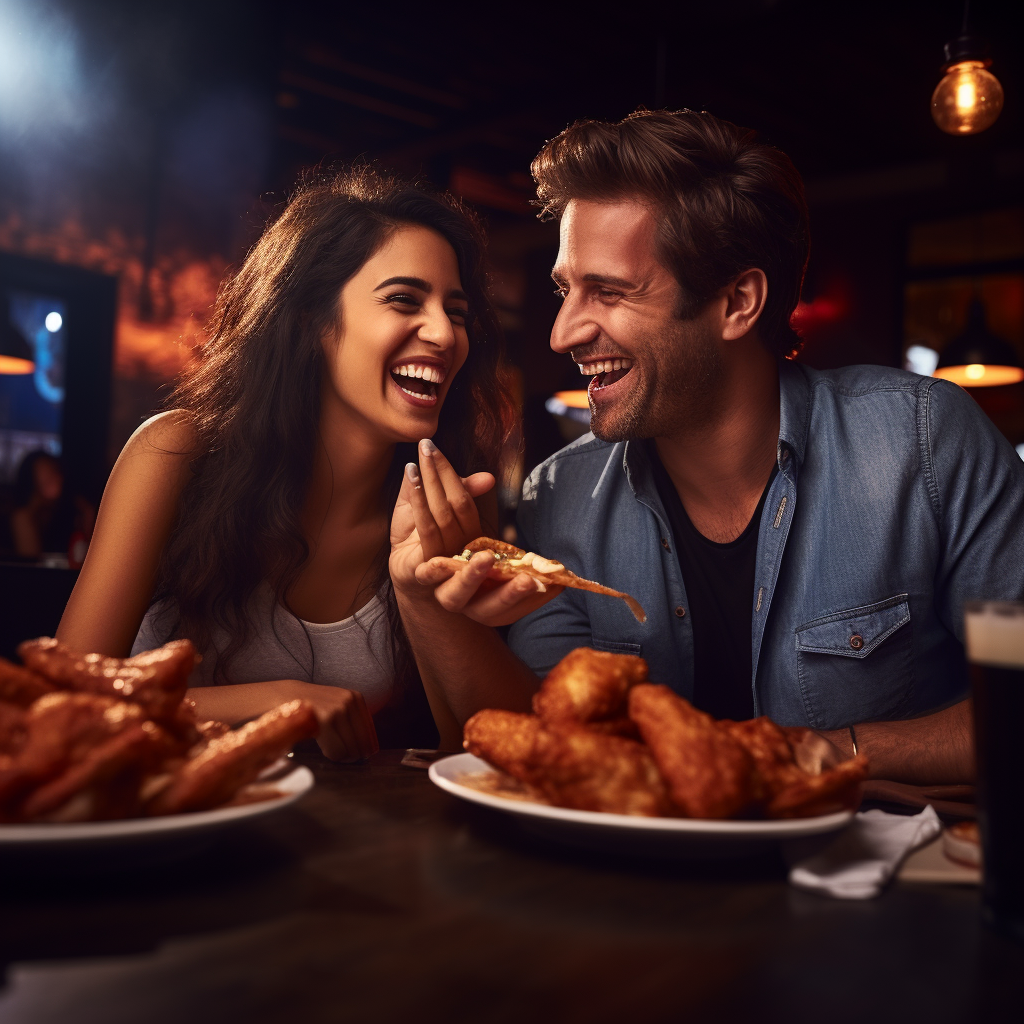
(719, 581)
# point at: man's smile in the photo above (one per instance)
(605, 372)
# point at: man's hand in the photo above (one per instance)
(436, 515)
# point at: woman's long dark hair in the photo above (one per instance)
(253, 399)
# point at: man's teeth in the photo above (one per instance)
(589, 369)
(431, 374)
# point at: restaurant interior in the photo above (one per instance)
(143, 148)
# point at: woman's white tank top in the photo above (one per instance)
(354, 653)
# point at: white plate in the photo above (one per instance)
(292, 786)
(588, 826)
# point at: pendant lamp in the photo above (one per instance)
(977, 358)
(969, 97)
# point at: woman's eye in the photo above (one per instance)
(402, 299)
(460, 316)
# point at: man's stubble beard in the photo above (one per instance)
(671, 395)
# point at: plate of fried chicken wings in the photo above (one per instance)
(607, 749)
(95, 748)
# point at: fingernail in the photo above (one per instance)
(412, 471)
(427, 446)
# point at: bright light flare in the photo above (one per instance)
(968, 99)
(977, 375)
(54, 322)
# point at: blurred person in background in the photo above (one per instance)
(253, 516)
(45, 518)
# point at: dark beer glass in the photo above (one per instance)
(995, 652)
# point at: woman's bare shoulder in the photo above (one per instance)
(166, 433)
(158, 453)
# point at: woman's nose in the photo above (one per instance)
(438, 329)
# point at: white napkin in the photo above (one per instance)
(858, 864)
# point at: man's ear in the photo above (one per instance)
(745, 299)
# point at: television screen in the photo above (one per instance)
(32, 401)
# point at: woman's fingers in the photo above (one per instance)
(432, 540)
(347, 732)
(451, 505)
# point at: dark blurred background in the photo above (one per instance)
(149, 143)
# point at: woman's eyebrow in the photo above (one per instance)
(411, 282)
(423, 286)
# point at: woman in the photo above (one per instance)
(45, 517)
(253, 518)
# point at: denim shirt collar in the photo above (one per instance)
(794, 415)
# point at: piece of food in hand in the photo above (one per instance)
(570, 765)
(155, 680)
(20, 685)
(590, 687)
(235, 759)
(806, 796)
(709, 773)
(510, 561)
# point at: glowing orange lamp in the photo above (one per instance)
(969, 97)
(978, 358)
(15, 354)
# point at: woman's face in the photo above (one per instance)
(402, 337)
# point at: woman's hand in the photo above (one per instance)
(436, 515)
(346, 728)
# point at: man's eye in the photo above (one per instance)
(605, 294)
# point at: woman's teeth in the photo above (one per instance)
(431, 374)
(606, 366)
(418, 380)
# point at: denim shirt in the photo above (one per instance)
(895, 502)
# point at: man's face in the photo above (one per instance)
(653, 373)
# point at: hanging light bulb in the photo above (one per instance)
(969, 97)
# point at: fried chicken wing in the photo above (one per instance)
(504, 739)
(12, 730)
(88, 789)
(60, 730)
(836, 789)
(589, 686)
(20, 685)
(709, 773)
(155, 680)
(573, 766)
(235, 759)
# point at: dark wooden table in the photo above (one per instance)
(381, 898)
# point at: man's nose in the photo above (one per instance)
(571, 329)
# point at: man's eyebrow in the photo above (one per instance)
(618, 282)
(423, 286)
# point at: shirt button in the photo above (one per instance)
(856, 641)
(680, 611)
(664, 543)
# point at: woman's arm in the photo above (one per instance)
(346, 726)
(134, 521)
(464, 664)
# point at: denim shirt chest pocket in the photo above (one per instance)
(856, 665)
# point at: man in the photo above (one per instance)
(803, 542)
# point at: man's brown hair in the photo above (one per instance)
(725, 202)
